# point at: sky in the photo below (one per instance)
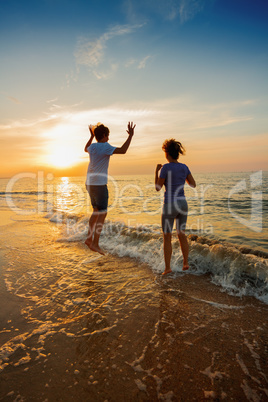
(193, 70)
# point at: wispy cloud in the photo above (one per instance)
(106, 74)
(14, 100)
(52, 100)
(143, 62)
(91, 53)
(130, 62)
(180, 118)
(139, 64)
(187, 9)
(10, 98)
(170, 10)
(172, 113)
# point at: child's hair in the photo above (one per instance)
(173, 148)
(100, 131)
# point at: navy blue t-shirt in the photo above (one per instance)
(175, 175)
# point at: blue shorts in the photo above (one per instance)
(177, 210)
(99, 197)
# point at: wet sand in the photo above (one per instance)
(5, 217)
(108, 329)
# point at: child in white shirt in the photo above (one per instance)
(96, 182)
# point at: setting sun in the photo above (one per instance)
(63, 157)
(63, 148)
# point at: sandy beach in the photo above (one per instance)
(104, 328)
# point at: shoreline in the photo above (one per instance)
(106, 328)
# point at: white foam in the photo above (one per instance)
(141, 386)
(219, 305)
(250, 393)
(209, 370)
(24, 360)
(100, 331)
(9, 348)
(237, 273)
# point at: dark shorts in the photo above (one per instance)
(177, 210)
(99, 197)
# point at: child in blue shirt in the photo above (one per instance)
(173, 176)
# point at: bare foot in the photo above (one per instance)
(92, 247)
(88, 242)
(185, 267)
(167, 272)
(97, 249)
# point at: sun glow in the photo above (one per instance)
(64, 149)
(63, 157)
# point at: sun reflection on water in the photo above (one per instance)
(70, 197)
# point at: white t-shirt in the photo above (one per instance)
(99, 156)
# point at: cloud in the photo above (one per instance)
(170, 10)
(10, 98)
(91, 53)
(105, 75)
(185, 10)
(173, 113)
(52, 100)
(130, 62)
(189, 8)
(139, 64)
(199, 126)
(31, 127)
(14, 100)
(143, 62)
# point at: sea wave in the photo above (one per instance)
(12, 193)
(239, 270)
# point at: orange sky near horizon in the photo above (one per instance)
(211, 137)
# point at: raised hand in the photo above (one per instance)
(90, 127)
(130, 128)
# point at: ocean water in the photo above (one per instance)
(76, 325)
(227, 223)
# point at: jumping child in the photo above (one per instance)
(96, 182)
(173, 176)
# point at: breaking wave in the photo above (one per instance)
(239, 270)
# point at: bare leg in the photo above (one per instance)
(167, 252)
(98, 228)
(96, 222)
(184, 248)
(91, 226)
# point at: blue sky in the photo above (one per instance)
(190, 69)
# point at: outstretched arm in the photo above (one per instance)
(123, 149)
(90, 139)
